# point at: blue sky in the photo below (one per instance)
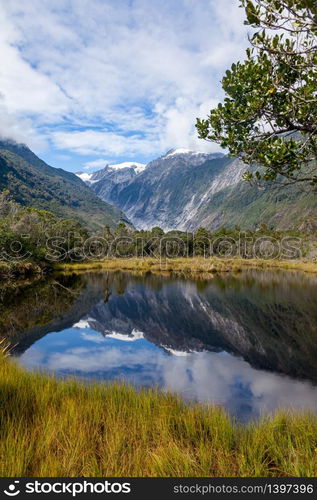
(90, 82)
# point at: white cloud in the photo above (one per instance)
(115, 80)
(91, 165)
(20, 129)
(91, 142)
(24, 89)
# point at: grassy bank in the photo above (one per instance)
(64, 428)
(189, 265)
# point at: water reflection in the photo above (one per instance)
(244, 342)
(203, 376)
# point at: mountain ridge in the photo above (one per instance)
(33, 183)
(184, 189)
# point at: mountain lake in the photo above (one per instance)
(244, 341)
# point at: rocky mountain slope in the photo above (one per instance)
(33, 183)
(185, 189)
(108, 182)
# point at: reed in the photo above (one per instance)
(52, 427)
(190, 265)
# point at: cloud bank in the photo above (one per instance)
(121, 79)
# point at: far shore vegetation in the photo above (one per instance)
(64, 428)
(189, 266)
(34, 242)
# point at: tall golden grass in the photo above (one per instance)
(66, 428)
(190, 265)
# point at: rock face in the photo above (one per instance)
(108, 182)
(170, 191)
(185, 189)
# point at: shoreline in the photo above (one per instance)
(189, 265)
(14, 274)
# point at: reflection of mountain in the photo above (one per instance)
(46, 307)
(271, 324)
(269, 320)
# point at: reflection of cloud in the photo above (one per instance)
(95, 359)
(93, 337)
(213, 377)
(33, 358)
(217, 378)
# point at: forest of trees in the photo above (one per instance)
(29, 234)
(24, 232)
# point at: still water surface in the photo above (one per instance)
(247, 342)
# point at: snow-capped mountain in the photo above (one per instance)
(185, 189)
(91, 178)
(170, 190)
(85, 176)
(189, 153)
(173, 189)
(137, 167)
(108, 181)
(143, 188)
